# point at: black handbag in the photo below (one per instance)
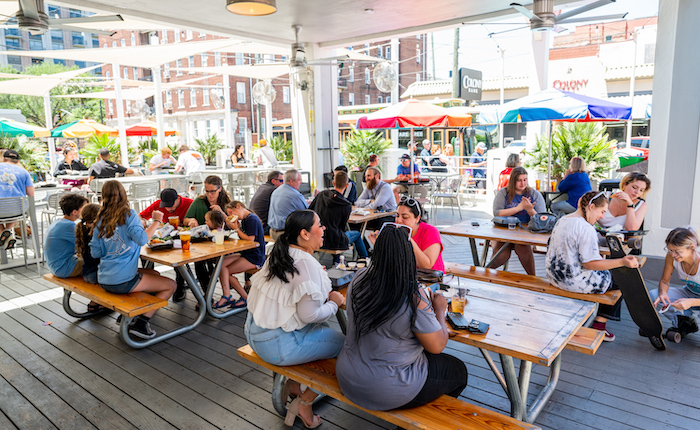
(542, 222)
(430, 276)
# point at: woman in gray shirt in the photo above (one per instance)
(392, 356)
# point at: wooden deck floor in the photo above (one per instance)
(57, 372)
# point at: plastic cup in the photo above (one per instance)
(459, 299)
(185, 240)
(219, 237)
(538, 183)
(511, 226)
(554, 185)
(174, 221)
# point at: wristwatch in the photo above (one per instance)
(630, 206)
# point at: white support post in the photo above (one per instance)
(268, 117)
(121, 124)
(158, 103)
(632, 81)
(48, 115)
(228, 132)
(395, 91)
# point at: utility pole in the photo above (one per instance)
(455, 65)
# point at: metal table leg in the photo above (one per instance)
(499, 252)
(517, 404)
(475, 253)
(278, 402)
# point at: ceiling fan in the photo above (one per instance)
(31, 17)
(543, 18)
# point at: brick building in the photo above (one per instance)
(192, 108)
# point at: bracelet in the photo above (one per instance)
(630, 206)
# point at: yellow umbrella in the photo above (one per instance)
(83, 129)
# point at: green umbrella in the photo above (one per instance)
(15, 128)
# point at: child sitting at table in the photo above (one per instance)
(117, 240)
(249, 227)
(573, 261)
(214, 220)
(83, 235)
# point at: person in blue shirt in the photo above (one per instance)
(117, 240)
(406, 171)
(285, 200)
(59, 244)
(575, 184)
(425, 153)
(15, 181)
(477, 159)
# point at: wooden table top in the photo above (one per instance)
(488, 231)
(199, 251)
(525, 324)
(373, 214)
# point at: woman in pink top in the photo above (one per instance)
(425, 238)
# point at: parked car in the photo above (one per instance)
(641, 143)
(516, 146)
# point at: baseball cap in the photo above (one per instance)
(481, 145)
(11, 153)
(168, 197)
(405, 157)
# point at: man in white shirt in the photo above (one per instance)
(265, 155)
(190, 161)
(162, 161)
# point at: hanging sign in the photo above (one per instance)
(469, 84)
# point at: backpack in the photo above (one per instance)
(542, 222)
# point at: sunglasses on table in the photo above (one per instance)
(399, 226)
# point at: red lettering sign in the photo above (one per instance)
(570, 85)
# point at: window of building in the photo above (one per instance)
(95, 41)
(74, 13)
(262, 125)
(136, 72)
(351, 99)
(351, 74)
(222, 128)
(114, 44)
(387, 50)
(80, 64)
(417, 55)
(181, 99)
(190, 63)
(57, 35)
(104, 45)
(15, 61)
(366, 48)
(193, 97)
(128, 106)
(205, 97)
(380, 99)
(78, 39)
(217, 59)
(388, 99)
(417, 77)
(125, 73)
(608, 38)
(239, 59)
(649, 53)
(285, 95)
(123, 42)
(133, 39)
(14, 43)
(195, 125)
(36, 43)
(367, 76)
(202, 35)
(188, 35)
(54, 12)
(166, 70)
(58, 61)
(368, 99)
(108, 74)
(203, 58)
(240, 92)
(169, 98)
(177, 36)
(242, 125)
(178, 64)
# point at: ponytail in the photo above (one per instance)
(280, 263)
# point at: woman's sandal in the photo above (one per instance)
(287, 390)
(94, 307)
(229, 301)
(293, 412)
(240, 303)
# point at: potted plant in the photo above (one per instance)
(91, 151)
(359, 145)
(32, 153)
(208, 147)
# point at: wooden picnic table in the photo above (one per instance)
(487, 231)
(177, 258)
(364, 219)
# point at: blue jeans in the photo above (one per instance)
(673, 295)
(562, 208)
(281, 348)
(354, 237)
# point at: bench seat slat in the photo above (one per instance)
(586, 341)
(528, 282)
(444, 413)
(129, 305)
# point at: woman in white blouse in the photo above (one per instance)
(288, 305)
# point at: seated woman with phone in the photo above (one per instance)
(392, 357)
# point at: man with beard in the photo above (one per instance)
(377, 195)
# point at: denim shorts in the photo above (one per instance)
(124, 287)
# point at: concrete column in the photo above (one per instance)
(674, 159)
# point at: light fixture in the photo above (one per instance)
(251, 7)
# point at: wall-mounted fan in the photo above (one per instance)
(385, 77)
(264, 93)
(138, 107)
(168, 106)
(32, 17)
(217, 98)
(543, 18)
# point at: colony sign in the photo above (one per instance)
(469, 84)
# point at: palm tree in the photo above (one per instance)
(359, 145)
(576, 139)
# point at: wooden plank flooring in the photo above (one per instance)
(76, 374)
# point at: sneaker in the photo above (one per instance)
(141, 328)
(600, 326)
(119, 320)
(180, 294)
(4, 236)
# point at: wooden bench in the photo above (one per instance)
(129, 305)
(444, 413)
(528, 282)
(586, 341)
(269, 239)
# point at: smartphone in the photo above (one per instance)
(478, 327)
(457, 321)
(435, 287)
(475, 224)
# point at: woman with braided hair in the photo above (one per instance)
(573, 261)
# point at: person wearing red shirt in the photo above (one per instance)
(174, 205)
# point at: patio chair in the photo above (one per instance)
(195, 184)
(144, 192)
(451, 193)
(16, 209)
(52, 211)
(178, 184)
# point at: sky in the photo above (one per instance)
(479, 51)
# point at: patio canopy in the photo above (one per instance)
(413, 113)
(82, 129)
(15, 128)
(149, 128)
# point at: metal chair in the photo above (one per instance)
(16, 209)
(195, 184)
(144, 192)
(178, 184)
(452, 194)
(52, 211)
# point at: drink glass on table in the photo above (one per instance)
(219, 237)
(174, 221)
(554, 186)
(185, 240)
(538, 183)
(459, 299)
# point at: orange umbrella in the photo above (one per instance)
(148, 128)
